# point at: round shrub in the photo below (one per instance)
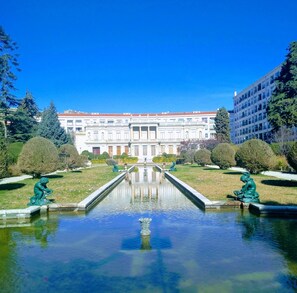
(202, 157)
(223, 155)
(292, 156)
(256, 156)
(39, 156)
(69, 157)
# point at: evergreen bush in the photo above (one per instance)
(69, 157)
(256, 156)
(39, 156)
(223, 155)
(202, 157)
(292, 156)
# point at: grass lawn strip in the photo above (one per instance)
(68, 187)
(217, 184)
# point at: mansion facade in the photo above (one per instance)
(141, 135)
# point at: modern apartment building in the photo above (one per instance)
(140, 135)
(250, 118)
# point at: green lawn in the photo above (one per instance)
(217, 184)
(68, 187)
(72, 187)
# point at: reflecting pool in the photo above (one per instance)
(188, 250)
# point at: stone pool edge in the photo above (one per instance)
(205, 203)
(194, 195)
(84, 205)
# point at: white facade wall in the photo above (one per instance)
(140, 135)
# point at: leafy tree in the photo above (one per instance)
(39, 156)
(256, 156)
(223, 155)
(50, 127)
(282, 106)
(8, 67)
(69, 157)
(202, 157)
(222, 126)
(208, 144)
(188, 149)
(292, 156)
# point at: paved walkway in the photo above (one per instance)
(14, 179)
(281, 175)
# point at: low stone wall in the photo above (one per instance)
(84, 205)
(100, 193)
(270, 210)
(19, 213)
(198, 198)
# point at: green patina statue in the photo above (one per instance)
(248, 191)
(40, 193)
(172, 167)
(115, 168)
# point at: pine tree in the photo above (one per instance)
(50, 127)
(282, 106)
(222, 126)
(8, 66)
(22, 122)
(29, 105)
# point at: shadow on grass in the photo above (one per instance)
(11, 186)
(280, 183)
(276, 203)
(211, 169)
(76, 171)
(232, 173)
(54, 176)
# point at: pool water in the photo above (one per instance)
(188, 250)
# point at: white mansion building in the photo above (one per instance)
(140, 135)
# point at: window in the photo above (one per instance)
(144, 150)
(136, 150)
(96, 150)
(153, 150)
(170, 149)
(110, 151)
(118, 150)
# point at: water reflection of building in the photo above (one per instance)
(145, 190)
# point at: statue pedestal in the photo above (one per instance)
(145, 226)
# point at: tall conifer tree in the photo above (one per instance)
(222, 126)
(282, 106)
(23, 123)
(50, 127)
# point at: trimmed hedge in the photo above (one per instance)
(256, 156)
(202, 157)
(292, 156)
(223, 155)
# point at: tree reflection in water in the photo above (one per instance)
(280, 234)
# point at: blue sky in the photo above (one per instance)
(116, 56)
